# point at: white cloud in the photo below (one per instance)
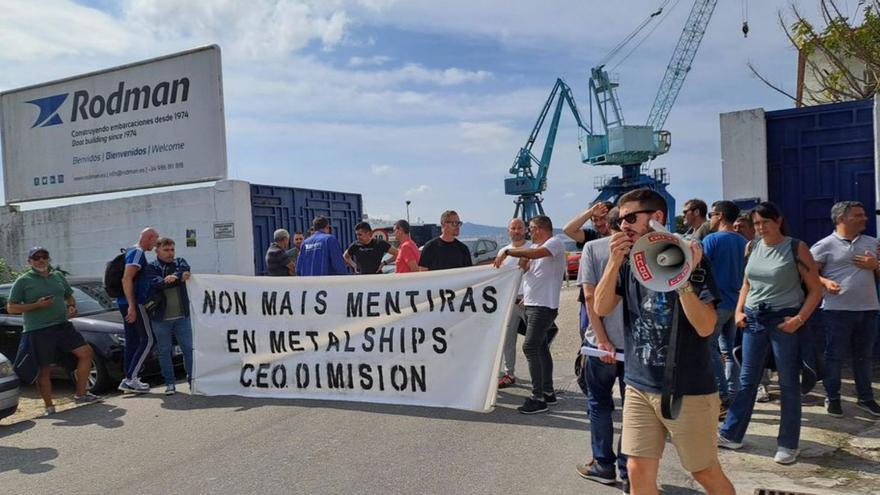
(482, 137)
(381, 170)
(421, 189)
(31, 31)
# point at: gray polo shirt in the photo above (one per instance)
(594, 257)
(857, 287)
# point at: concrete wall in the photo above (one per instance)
(83, 237)
(744, 154)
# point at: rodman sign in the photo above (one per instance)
(153, 123)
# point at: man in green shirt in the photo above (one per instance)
(46, 300)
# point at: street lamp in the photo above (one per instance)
(407, 210)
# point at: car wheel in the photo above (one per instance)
(99, 379)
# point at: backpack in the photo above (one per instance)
(113, 275)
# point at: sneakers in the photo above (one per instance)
(550, 399)
(833, 408)
(49, 411)
(725, 443)
(129, 387)
(86, 398)
(763, 394)
(532, 406)
(138, 384)
(594, 471)
(625, 486)
(506, 381)
(786, 456)
(870, 406)
(170, 390)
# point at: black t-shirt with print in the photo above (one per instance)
(648, 319)
(368, 257)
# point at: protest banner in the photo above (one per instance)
(428, 339)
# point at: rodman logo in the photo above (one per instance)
(86, 106)
(48, 110)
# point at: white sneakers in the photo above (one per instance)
(786, 456)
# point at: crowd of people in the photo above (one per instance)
(743, 311)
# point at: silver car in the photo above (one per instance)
(8, 388)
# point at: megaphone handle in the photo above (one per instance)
(670, 400)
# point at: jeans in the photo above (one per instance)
(856, 331)
(721, 352)
(536, 347)
(181, 329)
(760, 337)
(508, 352)
(600, 378)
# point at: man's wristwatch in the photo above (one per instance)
(684, 289)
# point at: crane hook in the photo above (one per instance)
(745, 29)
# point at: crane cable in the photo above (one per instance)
(633, 34)
(744, 8)
(648, 35)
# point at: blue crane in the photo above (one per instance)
(631, 146)
(530, 173)
(628, 146)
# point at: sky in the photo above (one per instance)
(421, 100)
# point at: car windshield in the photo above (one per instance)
(92, 298)
(471, 244)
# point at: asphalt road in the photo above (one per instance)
(196, 444)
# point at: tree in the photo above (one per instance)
(842, 55)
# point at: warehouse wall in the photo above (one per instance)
(83, 237)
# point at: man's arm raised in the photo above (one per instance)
(605, 295)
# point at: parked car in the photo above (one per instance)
(99, 322)
(8, 388)
(483, 250)
(572, 258)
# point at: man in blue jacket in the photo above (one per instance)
(321, 253)
(169, 309)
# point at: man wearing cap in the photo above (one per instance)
(46, 300)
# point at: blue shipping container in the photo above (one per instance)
(817, 156)
(293, 209)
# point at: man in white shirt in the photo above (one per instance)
(542, 283)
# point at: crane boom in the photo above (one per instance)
(680, 63)
(529, 183)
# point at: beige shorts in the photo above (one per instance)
(694, 433)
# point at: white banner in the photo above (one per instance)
(427, 339)
(153, 123)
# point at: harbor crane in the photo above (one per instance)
(613, 142)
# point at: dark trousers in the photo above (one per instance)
(600, 378)
(536, 347)
(853, 331)
(138, 341)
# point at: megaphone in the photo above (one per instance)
(660, 260)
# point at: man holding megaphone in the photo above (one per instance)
(668, 297)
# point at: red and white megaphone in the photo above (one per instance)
(660, 260)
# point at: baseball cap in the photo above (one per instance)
(36, 249)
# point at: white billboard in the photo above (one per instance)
(153, 123)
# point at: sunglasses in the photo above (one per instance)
(454, 224)
(687, 210)
(40, 257)
(632, 217)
